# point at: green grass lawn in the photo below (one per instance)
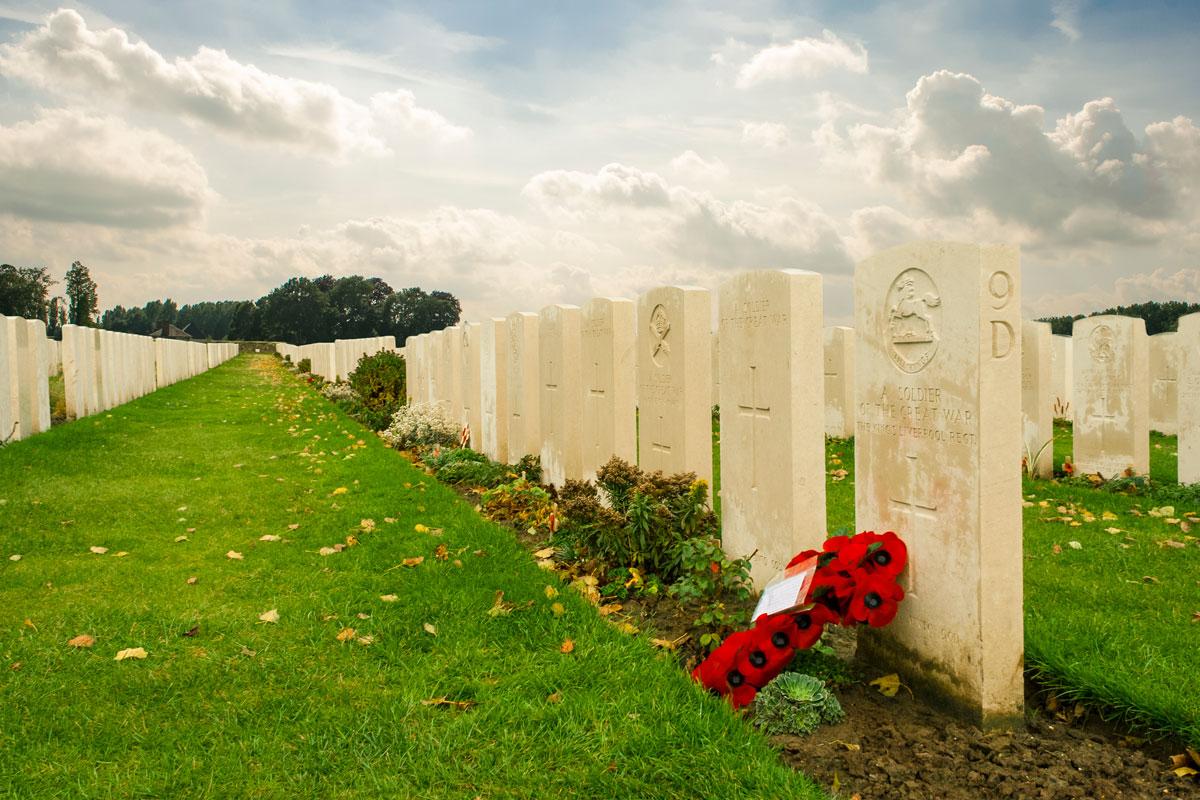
(1111, 621)
(251, 708)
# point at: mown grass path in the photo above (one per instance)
(246, 708)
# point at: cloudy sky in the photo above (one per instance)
(519, 156)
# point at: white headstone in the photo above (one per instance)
(675, 381)
(609, 381)
(22, 376)
(839, 382)
(8, 377)
(1112, 396)
(1037, 416)
(772, 455)
(39, 392)
(468, 334)
(937, 459)
(1189, 398)
(1062, 376)
(493, 388)
(1165, 356)
(561, 394)
(524, 386)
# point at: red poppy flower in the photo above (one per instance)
(776, 630)
(850, 556)
(715, 567)
(834, 544)
(811, 624)
(887, 554)
(761, 661)
(875, 600)
(837, 583)
(720, 671)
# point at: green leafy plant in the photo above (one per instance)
(465, 466)
(379, 379)
(304, 365)
(796, 705)
(710, 580)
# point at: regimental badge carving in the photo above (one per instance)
(1100, 343)
(914, 319)
(660, 328)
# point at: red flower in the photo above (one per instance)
(763, 659)
(720, 671)
(875, 600)
(811, 624)
(834, 544)
(888, 556)
(850, 555)
(715, 567)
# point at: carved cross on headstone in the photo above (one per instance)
(658, 441)
(920, 512)
(756, 409)
(596, 397)
(551, 386)
(1104, 418)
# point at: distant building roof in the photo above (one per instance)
(169, 331)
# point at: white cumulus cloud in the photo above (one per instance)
(71, 167)
(803, 58)
(960, 152)
(211, 88)
(671, 225)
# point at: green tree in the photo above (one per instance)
(414, 311)
(24, 291)
(82, 295)
(245, 324)
(1160, 317)
(56, 318)
(296, 312)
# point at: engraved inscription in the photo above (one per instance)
(914, 317)
(1100, 343)
(1000, 287)
(660, 328)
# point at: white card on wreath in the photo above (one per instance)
(788, 591)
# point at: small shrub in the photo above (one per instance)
(420, 424)
(304, 365)
(796, 705)
(465, 466)
(379, 381)
(630, 518)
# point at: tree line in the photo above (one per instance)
(300, 311)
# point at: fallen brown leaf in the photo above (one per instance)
(346, 634)
(131, 652)
(82, 640)
(568, 646)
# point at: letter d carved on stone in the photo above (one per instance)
(1002, 338)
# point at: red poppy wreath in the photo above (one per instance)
(855, 584)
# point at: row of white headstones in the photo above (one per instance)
(931, 380)
(1122, 384)
(937, 407)
(334, 361)
(101, 369)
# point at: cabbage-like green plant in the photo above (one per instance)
(795, 704)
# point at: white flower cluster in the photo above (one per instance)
(420, 424)
(338, 391)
